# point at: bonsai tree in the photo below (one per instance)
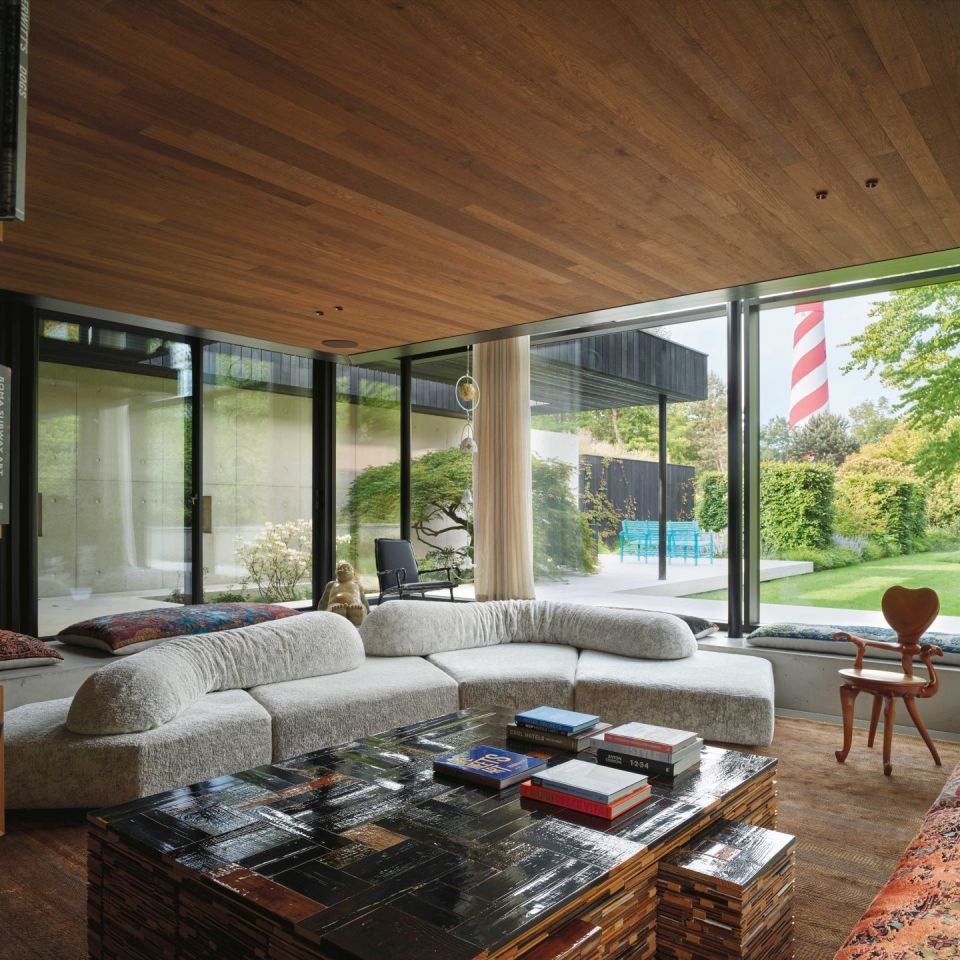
(563, 540)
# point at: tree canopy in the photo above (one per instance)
(438, 481)
(913, 344)
(562, 537)
(824, 438)
(871, 420)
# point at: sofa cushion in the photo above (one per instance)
(19, 650)
(416, 628)
(419, 628)
(820, 639)
(384, 692)
(123, 633)
(149, 690)
(516, 675)
(724, 697)
(48, 766)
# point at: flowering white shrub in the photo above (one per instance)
(278, 559)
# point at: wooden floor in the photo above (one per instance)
(851, 821)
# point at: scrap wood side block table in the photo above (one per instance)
(359, 852)
(909, 613)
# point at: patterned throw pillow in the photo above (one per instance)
(123, 633)
(19, 650)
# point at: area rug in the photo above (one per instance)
(852, 824)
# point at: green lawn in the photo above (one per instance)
(860, 587)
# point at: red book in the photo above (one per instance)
(648, 736)
(608, 811)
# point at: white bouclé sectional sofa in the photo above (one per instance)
(201, 706)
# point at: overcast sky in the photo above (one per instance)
(842, 318)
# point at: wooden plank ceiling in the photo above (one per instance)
(437, 167)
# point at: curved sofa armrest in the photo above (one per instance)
(152, 688)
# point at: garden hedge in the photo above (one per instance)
(884, 508)
(712, 501)
(796, 506)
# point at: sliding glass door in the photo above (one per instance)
(257, 475)
(113, 469)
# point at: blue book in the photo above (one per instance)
(568, 722)
(489, 766)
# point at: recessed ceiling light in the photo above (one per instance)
(340, 344)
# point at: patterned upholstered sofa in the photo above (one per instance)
(200, 706)
(917, 913)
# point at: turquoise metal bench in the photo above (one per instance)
(685, 539)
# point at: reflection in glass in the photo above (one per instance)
(596, 422)
(113, 465)
(257, 474)
(368, 464)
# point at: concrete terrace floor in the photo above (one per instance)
(633, 584)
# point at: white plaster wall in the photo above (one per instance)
(560, 446)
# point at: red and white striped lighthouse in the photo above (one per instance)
(809, 390)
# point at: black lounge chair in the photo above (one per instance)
(399, 575)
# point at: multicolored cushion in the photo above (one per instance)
(19, 650)
(820, 638)
(916, 914)
(123, 633)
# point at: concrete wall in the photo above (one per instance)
(111, 460)
(257, 466)
(112, 475)
(111, 470)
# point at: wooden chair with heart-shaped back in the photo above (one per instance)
(909, 613)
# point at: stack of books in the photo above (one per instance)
(555, 728)
(645, 748)
(588, 788)
(489, 766)
(728, 893)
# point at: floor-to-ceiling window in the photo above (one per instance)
(856, 404)
(441, 474)
(257, 474)
(614, 416)
(113, 469)
(368, 464)
(859, 449)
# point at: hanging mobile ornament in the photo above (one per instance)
(467, 392)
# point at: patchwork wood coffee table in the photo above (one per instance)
(358, 852)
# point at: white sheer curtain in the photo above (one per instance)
(503, 502)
